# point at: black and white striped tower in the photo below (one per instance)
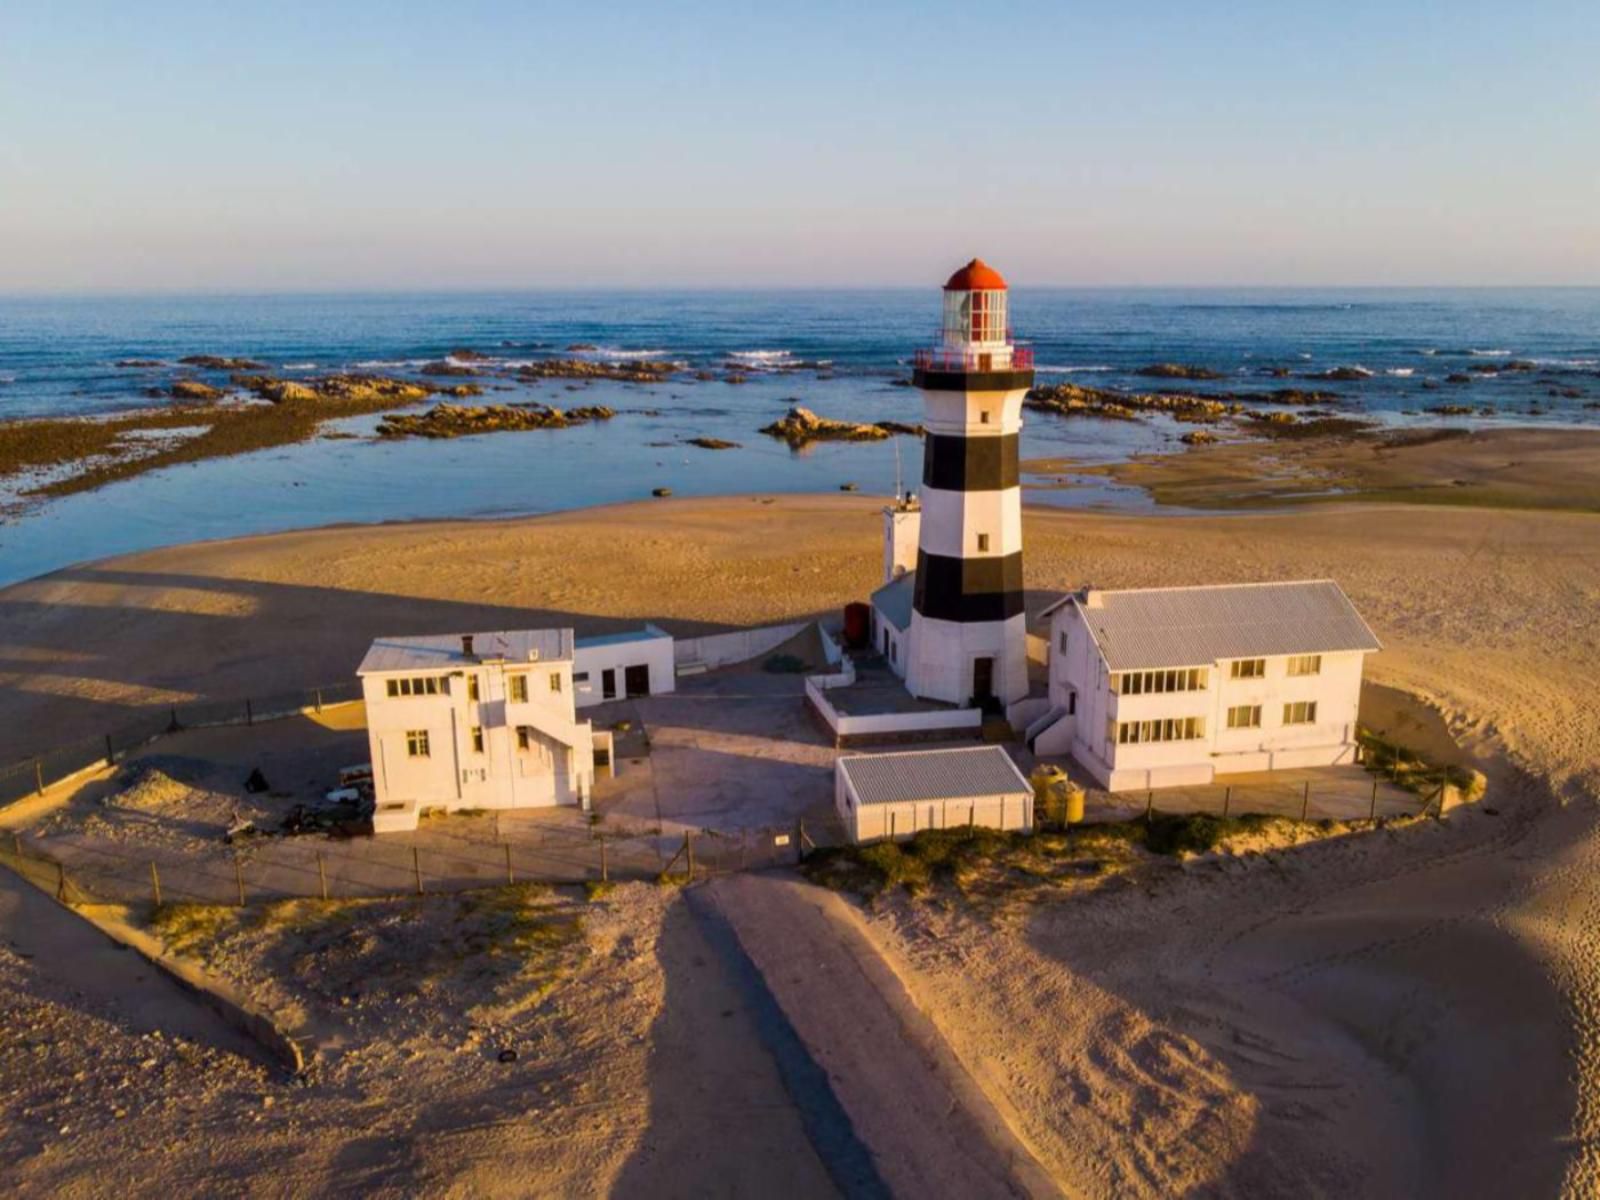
(968, 642)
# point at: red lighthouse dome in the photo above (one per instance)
(976, 276)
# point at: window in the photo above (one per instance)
(1244, 716)
(983, 416)
(477, 739)
(1179, 679)
(394, 687)
(417, 743)
(580, 677)
(1301, 712)
(555, 681)
(1249, 668)
(524, 740)
(519, 688)
(1072, 703)
(472, 687)
(1306, 664)
(892, 648)
(1063, 641)
(1170, 729)
(983, 543)
(421, 685)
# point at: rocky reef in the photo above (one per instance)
(456, 420)
(800, 427)
(577, 368)
(1169, 370)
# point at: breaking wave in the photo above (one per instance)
(1084, 370)
(1401, 372)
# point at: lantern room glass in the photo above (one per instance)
(975, 318)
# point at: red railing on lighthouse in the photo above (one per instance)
(960, 358)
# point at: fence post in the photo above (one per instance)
(238, 879)
(1149, 804)
(891, 825)
(416, 868)
(61, 883)
(38, 775)
(111, 756)
(1002, 814)
(1305, 800)
(1372, 813)
(510, 878)
(688, 845)
(1227, 798)
(319, 700)
(322, 875)
(972, 816)
(605, 866)
(155, 882)
(173, 726)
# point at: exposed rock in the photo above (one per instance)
(1069, 399)
(902, 428)
(444, 368)
(711, 443)
(454, 420)
(1198, 437)
(193, 389)
(849, 487)
(1272, 418)
(1342, 374)
(1177, 371)
(582, 348)
(213, 362)
(363, 389)
(800, 426)
(1450, 410)
(468, 356)
(1458, 377)
(736, 378)
(573, 368)
(661, 491)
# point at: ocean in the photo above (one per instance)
(839, 353)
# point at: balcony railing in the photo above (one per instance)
(947, 358)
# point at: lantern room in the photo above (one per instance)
(975, 307)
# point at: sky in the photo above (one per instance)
(355, 145)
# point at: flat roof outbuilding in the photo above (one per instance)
(967, 772)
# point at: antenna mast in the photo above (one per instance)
(899, 492)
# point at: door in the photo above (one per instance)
(983, 679)
(637, 680)
(608, 684)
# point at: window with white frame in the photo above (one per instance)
(477, 739)
(1063, 641)
(983, 543)
(518, 686)
(417, 743)
(417, 685)
(472, 687)
(1244, 716)
(524, 738)
(1248, 668)
(1168, 729)
(1300, 712)
(1177, 679)
(1305, 664)
(555, 681)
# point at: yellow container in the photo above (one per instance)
(1055, 796)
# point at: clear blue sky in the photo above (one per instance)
(353, 144)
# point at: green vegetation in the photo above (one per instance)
(1403, 766)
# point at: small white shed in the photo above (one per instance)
(615, 666)
(898, 795)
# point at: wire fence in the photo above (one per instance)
(33, 775)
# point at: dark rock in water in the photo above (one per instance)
(1566, 393)
(1342, 374)
(800, 426)
(1198, 437)
(193, 389)
(900, 427)
(444, 368)
(899, 383)
(705, 376)
(1177, 371)
(736, 378)
(455, 420)
(849, 487)
(1519, 365)
(468, 356)
(1276, 372)
(1458, 377)
(256, 782)
(213, 362)
(140, 362)
(358, 389)
(1450, 410)
(573, 368)
(711, 443)
(582, 348)
(662, 491)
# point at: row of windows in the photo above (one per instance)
(417, 741)
(435, 685)
(1182, 679)
(1171, 729)
(1248, 716)
(1256, 668)
(421, 685)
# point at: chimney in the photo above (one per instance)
(466, 645)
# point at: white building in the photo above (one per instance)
(898, 795)
(1162, 687)
(479, 720)
(618, 665)
(963, 640)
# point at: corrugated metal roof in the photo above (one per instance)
(1197, 626)
(933, 775)
(443, 650)
(893, 600)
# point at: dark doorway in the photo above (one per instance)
(608, 684)
(983, 679)
(637, 680)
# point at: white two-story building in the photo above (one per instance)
(1162, 687)
(478, 720)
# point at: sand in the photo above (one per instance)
(1409, 1014)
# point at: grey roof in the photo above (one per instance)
(647, 634)
(1197, 626)
(893, 600)
(442, 651)
(959, 774)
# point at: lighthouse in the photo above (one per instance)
(967, 642)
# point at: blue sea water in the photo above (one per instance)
(839, 353)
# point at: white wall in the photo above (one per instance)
(941, 655)
(724, 649)
(874, 822)
(901, 529)
(656, 653)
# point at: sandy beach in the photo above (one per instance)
(1396, 1014)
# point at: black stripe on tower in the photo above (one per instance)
(954, 463)
(968, 589)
